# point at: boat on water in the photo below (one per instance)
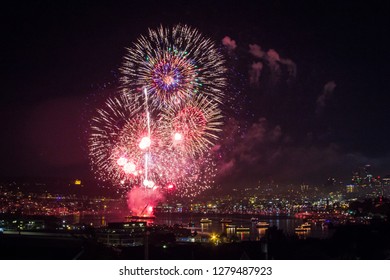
(205, 221)
(242, 228)
(254, 220)
(303, 215)
(231, 226)
(306, 225)
(303, 227)
(226, 221)
(140, 218)
(262, 224)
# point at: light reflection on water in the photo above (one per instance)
(288, 225)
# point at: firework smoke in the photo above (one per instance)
(141, 201)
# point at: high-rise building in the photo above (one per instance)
(386, 185)
(351, 188)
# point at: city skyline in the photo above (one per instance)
(310, 81)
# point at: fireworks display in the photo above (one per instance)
(175, 65)
(193, 127)
(157, 132)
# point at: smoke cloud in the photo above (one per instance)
(141, 201)
(229, 43)
(325, 96)
(274, 63)
(255, 73)
(266, 152)
(256, 51)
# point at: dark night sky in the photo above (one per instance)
(326, 120)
